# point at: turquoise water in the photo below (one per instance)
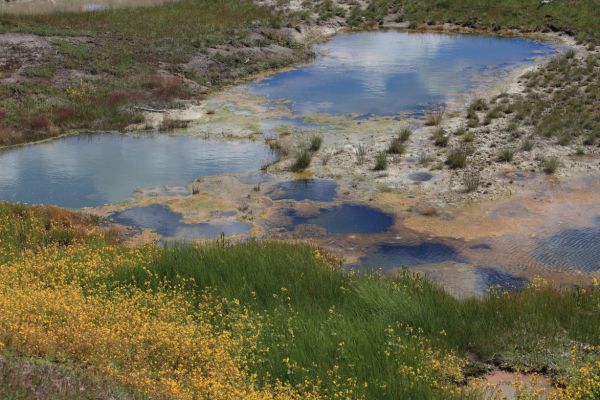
(95, 169)
(388, 72)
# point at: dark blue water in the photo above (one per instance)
(388, 72)
(95, 169)
(168, 224)
(571, 249)
(420, 176)
(305, 189)
(388, 256)
(492, 279)
(346, 218)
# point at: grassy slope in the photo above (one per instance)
(319, 308)
(532, 330)
(560, 104)
(403, 336)
(99, 64)
(579, 17)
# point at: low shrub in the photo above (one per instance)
(527, 144)
(460, 131)
(478, 104)
(405, 134)
(469, 137)
(361, 154)
(564, 139)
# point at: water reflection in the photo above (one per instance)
(388, 256)
(346, 218)
(305, 189)
(168, 224)
(95, 169)
(488, 279)
(384, 73)
(571, 249)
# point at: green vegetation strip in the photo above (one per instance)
(580, 18)
(386, 338)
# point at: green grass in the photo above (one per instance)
(560, 104)
(457, 158)
(302, 161)
(471, 180)
(315, 143)
(440, 138)
(324, 307)
(550, 164)
(23, 227)
(381, 161)
(580, 17)
(120, 51)
(175, 27)
(505, 155)
(396, 146)
(405, 134)
(368, 328)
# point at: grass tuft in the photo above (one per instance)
(381, 162)
(396, 146)
(440, 138)
(550, 164)
(505, 155)
(302, 161)
(471, 180)
(434, 117)
(315, 143)
(457, 158)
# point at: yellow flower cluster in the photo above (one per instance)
(78, 93)
(328, 259)
(584, 380)
(54, 304)
(419, 362)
